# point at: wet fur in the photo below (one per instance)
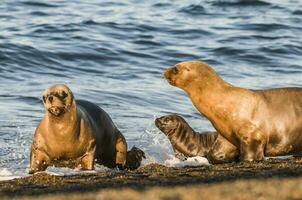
(76, 134)
(258, 122)
(188, 143)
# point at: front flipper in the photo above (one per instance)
(87, 160)
(121, 151)
(223, 151)
(38, 161)
(252, 143)
(134, 158)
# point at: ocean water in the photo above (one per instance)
(113, 53)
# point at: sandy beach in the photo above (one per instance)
(270, 179)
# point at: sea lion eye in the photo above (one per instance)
(175, 70)
(64, 95)
(44, 99)
(187, 69)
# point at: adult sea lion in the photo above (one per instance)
(259, 122)
(186, 142)
(75, 134)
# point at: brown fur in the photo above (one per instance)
(185, 141)
(75, 134)
(249, 119)
(134, 158)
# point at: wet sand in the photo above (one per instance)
(271, 179)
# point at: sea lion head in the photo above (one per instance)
(185, 73)
(169, 124)
(57, 99)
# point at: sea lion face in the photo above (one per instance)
(57, 99)
(184, 73)
(169, 123)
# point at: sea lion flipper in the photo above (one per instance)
(222, 151)
(257, 122)
(38, 161)
(121, 150)
(87, 161)
(134, 158)
(75, 133)
(251, 143)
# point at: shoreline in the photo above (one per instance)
(159, 179)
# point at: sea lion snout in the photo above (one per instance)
(180, 74)
(158, 122)
(54, 105)
(168, 75)
(162, 122)
(57, 111)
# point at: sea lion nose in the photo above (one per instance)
(166, 73)
(158, 122)
(50, 98)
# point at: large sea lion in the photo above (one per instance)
(76, 134)
(186, 142)
(259, 122)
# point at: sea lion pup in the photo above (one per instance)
(75, 134)
(259, 122)
(186, 142)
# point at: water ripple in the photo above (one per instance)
(193, 10)
(114, 53)
(39, 4)
(223, 3)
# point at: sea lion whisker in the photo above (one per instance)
(186, 141)
(92, 123)
(247, 118)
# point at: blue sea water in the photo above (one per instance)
(113, 53)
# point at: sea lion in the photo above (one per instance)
(259, 122)
(187, 143)
(75, 134)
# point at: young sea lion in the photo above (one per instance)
(76, 134)
(258, 122)
(186, 142)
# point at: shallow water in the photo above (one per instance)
(113, 53)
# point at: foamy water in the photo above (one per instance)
(154, 143)
(113, 54)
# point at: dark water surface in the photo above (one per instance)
(113, 53)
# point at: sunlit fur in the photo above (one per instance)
(261, 123)
(58, 99)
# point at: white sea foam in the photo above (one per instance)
(155, 144)
(6, 174)
(158, 149)
(192, 161)
(64, 171)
